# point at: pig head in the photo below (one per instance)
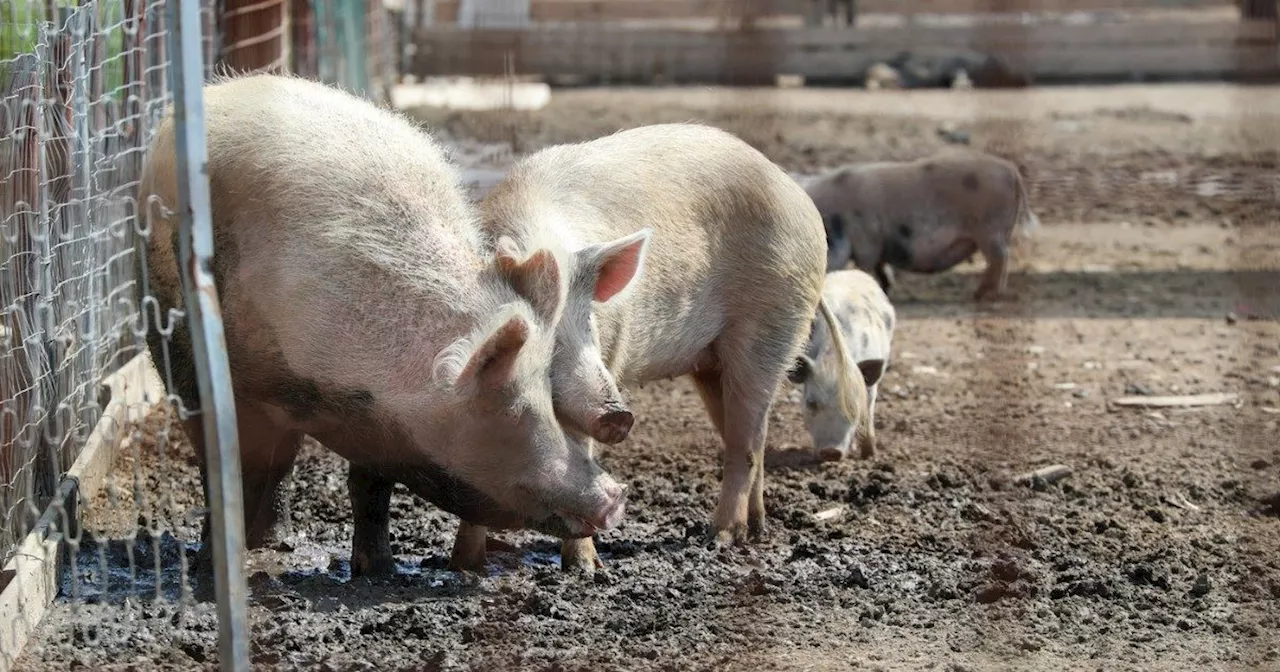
(587, 399)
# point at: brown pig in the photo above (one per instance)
(924, 216)
(363, 306)
(723, 291)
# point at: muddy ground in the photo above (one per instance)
(1155, 272)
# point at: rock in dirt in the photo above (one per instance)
(857, 578)
(829, 514)
(1201, 587)
(1269, 505)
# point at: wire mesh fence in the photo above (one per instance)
(94, 462)
(84, 87)
(80, 97)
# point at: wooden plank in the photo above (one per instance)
(1182, 401)
(997, 38)
(551, 11)
(1034, 6)
(32, 584)
(32, 573)
(135, 387)
(731, 56)
(1049, 474)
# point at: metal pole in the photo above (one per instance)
(213, 371)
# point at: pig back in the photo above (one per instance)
(317, 197)
(732, 232)
(973, 186)
(864, 311)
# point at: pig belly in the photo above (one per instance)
(671, 357)
(934, 252)
(672, 364)
(678, 342)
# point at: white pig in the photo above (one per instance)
(866, 320)
(924, 216)
(363, 306)
(723, 290)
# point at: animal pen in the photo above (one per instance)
(99, 497)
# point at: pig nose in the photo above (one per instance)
(613, 427)
(610, 514)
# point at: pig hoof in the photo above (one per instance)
(579, 555)
(755, 529)
(830, 455)
(581, 563)
(868, 451)
(372, 566)
(733, 536)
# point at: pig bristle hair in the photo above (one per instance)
(448, 363)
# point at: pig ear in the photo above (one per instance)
(536, 279)
(616, 264)
(872, 370)
(799, 372)
(492, 364)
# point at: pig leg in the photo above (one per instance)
(468, 553)
(712, 392)
(371, 515)
(868, 451)
(267, 454)
(471, 545)
(747, 392)
(740, 512)
(708, 385)
(579, 554)
(711, 389)
(884, 276)
(997, 273)
(266, 500)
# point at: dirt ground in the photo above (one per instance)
(1155, 272)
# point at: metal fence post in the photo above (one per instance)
(212, 368)
(353, 46)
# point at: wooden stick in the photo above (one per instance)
(1179, 401)
(1049, 474)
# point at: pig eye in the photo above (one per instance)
(812, 405)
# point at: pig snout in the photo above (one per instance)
(831, 433)
(586, 521)
(606, 516)
(613, 425)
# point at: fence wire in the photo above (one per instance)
(83, 89)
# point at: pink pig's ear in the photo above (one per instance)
(536, 278)
(492, 363)
(617, 264)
